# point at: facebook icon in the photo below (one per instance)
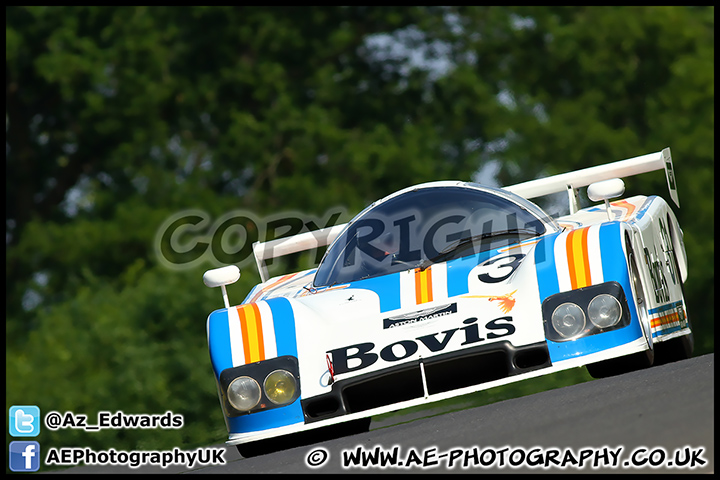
(24, 456)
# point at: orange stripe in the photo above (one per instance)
(243, 330)
(423, 285)
(665, 319)
(570, 258)
(268, 287)
(418, 286)
(586, 256)
(624, 204)
(519, 245)
(260, 344)
(251, 327)
(428, 286)
(578, 261)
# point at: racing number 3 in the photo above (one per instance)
(499, 269)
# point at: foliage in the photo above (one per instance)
(119, 117)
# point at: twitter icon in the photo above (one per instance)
(24, 421)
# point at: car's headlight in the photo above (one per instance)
(243, 393)
(591, 310)
(568, 320)
(604, 311)
(259, 386)
(280, 387)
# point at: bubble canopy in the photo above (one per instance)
(427, 224)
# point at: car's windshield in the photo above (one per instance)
(427, 225)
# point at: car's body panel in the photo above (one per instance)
(423, 324)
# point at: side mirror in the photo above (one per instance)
(219, 277)
(605, 190)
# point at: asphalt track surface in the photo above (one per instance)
(647, 421)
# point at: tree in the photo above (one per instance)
(588, 85)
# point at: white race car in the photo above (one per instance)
(447, 288)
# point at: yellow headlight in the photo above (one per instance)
(280, 387)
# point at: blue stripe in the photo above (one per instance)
(219, 341)
(458, 271)
(284, 322)
(614, 264)
(666, 329)
(665, 307)
(545, 266)
(266, 419)
(612, 255)
(387, 288)
(645, 207)
(593, 344)
(672, 329)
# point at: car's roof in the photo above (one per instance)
(523, 202)
(401, 230)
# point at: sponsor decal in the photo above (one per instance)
(505, 302)
(667, 319)
(499, 269)
(362, 355)
(419, 316)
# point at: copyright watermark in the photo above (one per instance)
(392, 236)
(112, 420)
(686, 458)
(191, 237)
(136, 458)
(317, 458)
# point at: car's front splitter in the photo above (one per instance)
(267, 423)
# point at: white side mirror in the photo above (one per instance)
(605, 190)
(219, 277)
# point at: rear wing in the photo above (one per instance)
(569, 182)
(572, 181)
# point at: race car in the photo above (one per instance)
(447, 288)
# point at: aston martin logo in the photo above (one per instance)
(419, 316)
(505, 302)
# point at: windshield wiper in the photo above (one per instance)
(463, 243)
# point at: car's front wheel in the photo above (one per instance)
(678, 348)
